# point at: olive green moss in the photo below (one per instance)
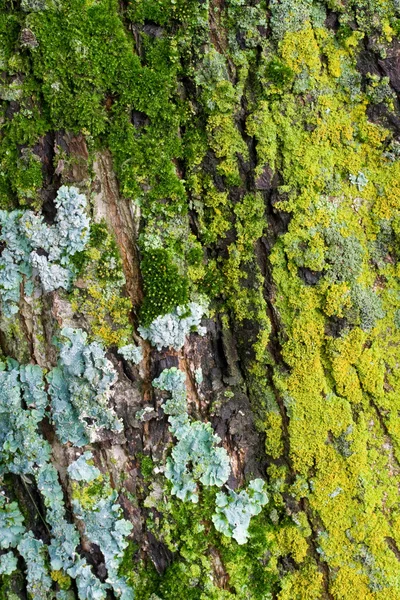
(11, 586)
(146, 466)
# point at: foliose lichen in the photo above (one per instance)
(103, 524)
(170, 330)
(132, 353)
(33, 247)
(234, 510)
(80, 389)
(196, 456)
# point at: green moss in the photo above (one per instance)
(164, 287)
(87, 494)
(146, 466)
(198, 549)
(102, 298)
(279, 73)
(28, 179)
(9, 584)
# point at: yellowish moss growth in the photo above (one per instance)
(273, 431)
(63, 580)
(99, 294)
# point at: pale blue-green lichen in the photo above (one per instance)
(33, 551)
(21, 448)
(103, 524)
(24, 451)
(360, 180)
(8, 563)
(132, 353)
(34, 248)
(82, 469)
(11, 523)
(234, 510)
(80, 388)
(196, 456)
(170, 330)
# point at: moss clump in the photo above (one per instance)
(88, 494)
(140, 575)
(63, 580)
(200, 553)
(164, 287)
(278, 72)
(146, 466)
(28, 179)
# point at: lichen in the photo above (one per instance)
(80, 389)
(25, 233)
(103, 522)
(196, 456)
(234, 510)
(132, 353)
(170, 330)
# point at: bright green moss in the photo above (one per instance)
(227, 144)
(163, 12)
(68, 40)
(22, 122)
(187, 530)
(164, 287)
(146, 467)
(28, 179)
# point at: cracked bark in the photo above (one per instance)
(224, 354)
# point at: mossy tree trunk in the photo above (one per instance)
(243, 154)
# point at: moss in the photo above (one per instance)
(89, 493)
(140, 575)
(227, 144)
(199, 550)
(146, 466)
(11, 587)
(164, 287)
(215, 217)
(100, 297)
(62, 579)
(278, 72)
(28, 179)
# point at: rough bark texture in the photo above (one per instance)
(256, 144)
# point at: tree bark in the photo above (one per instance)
(257, 144)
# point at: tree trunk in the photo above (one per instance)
(238, 165)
